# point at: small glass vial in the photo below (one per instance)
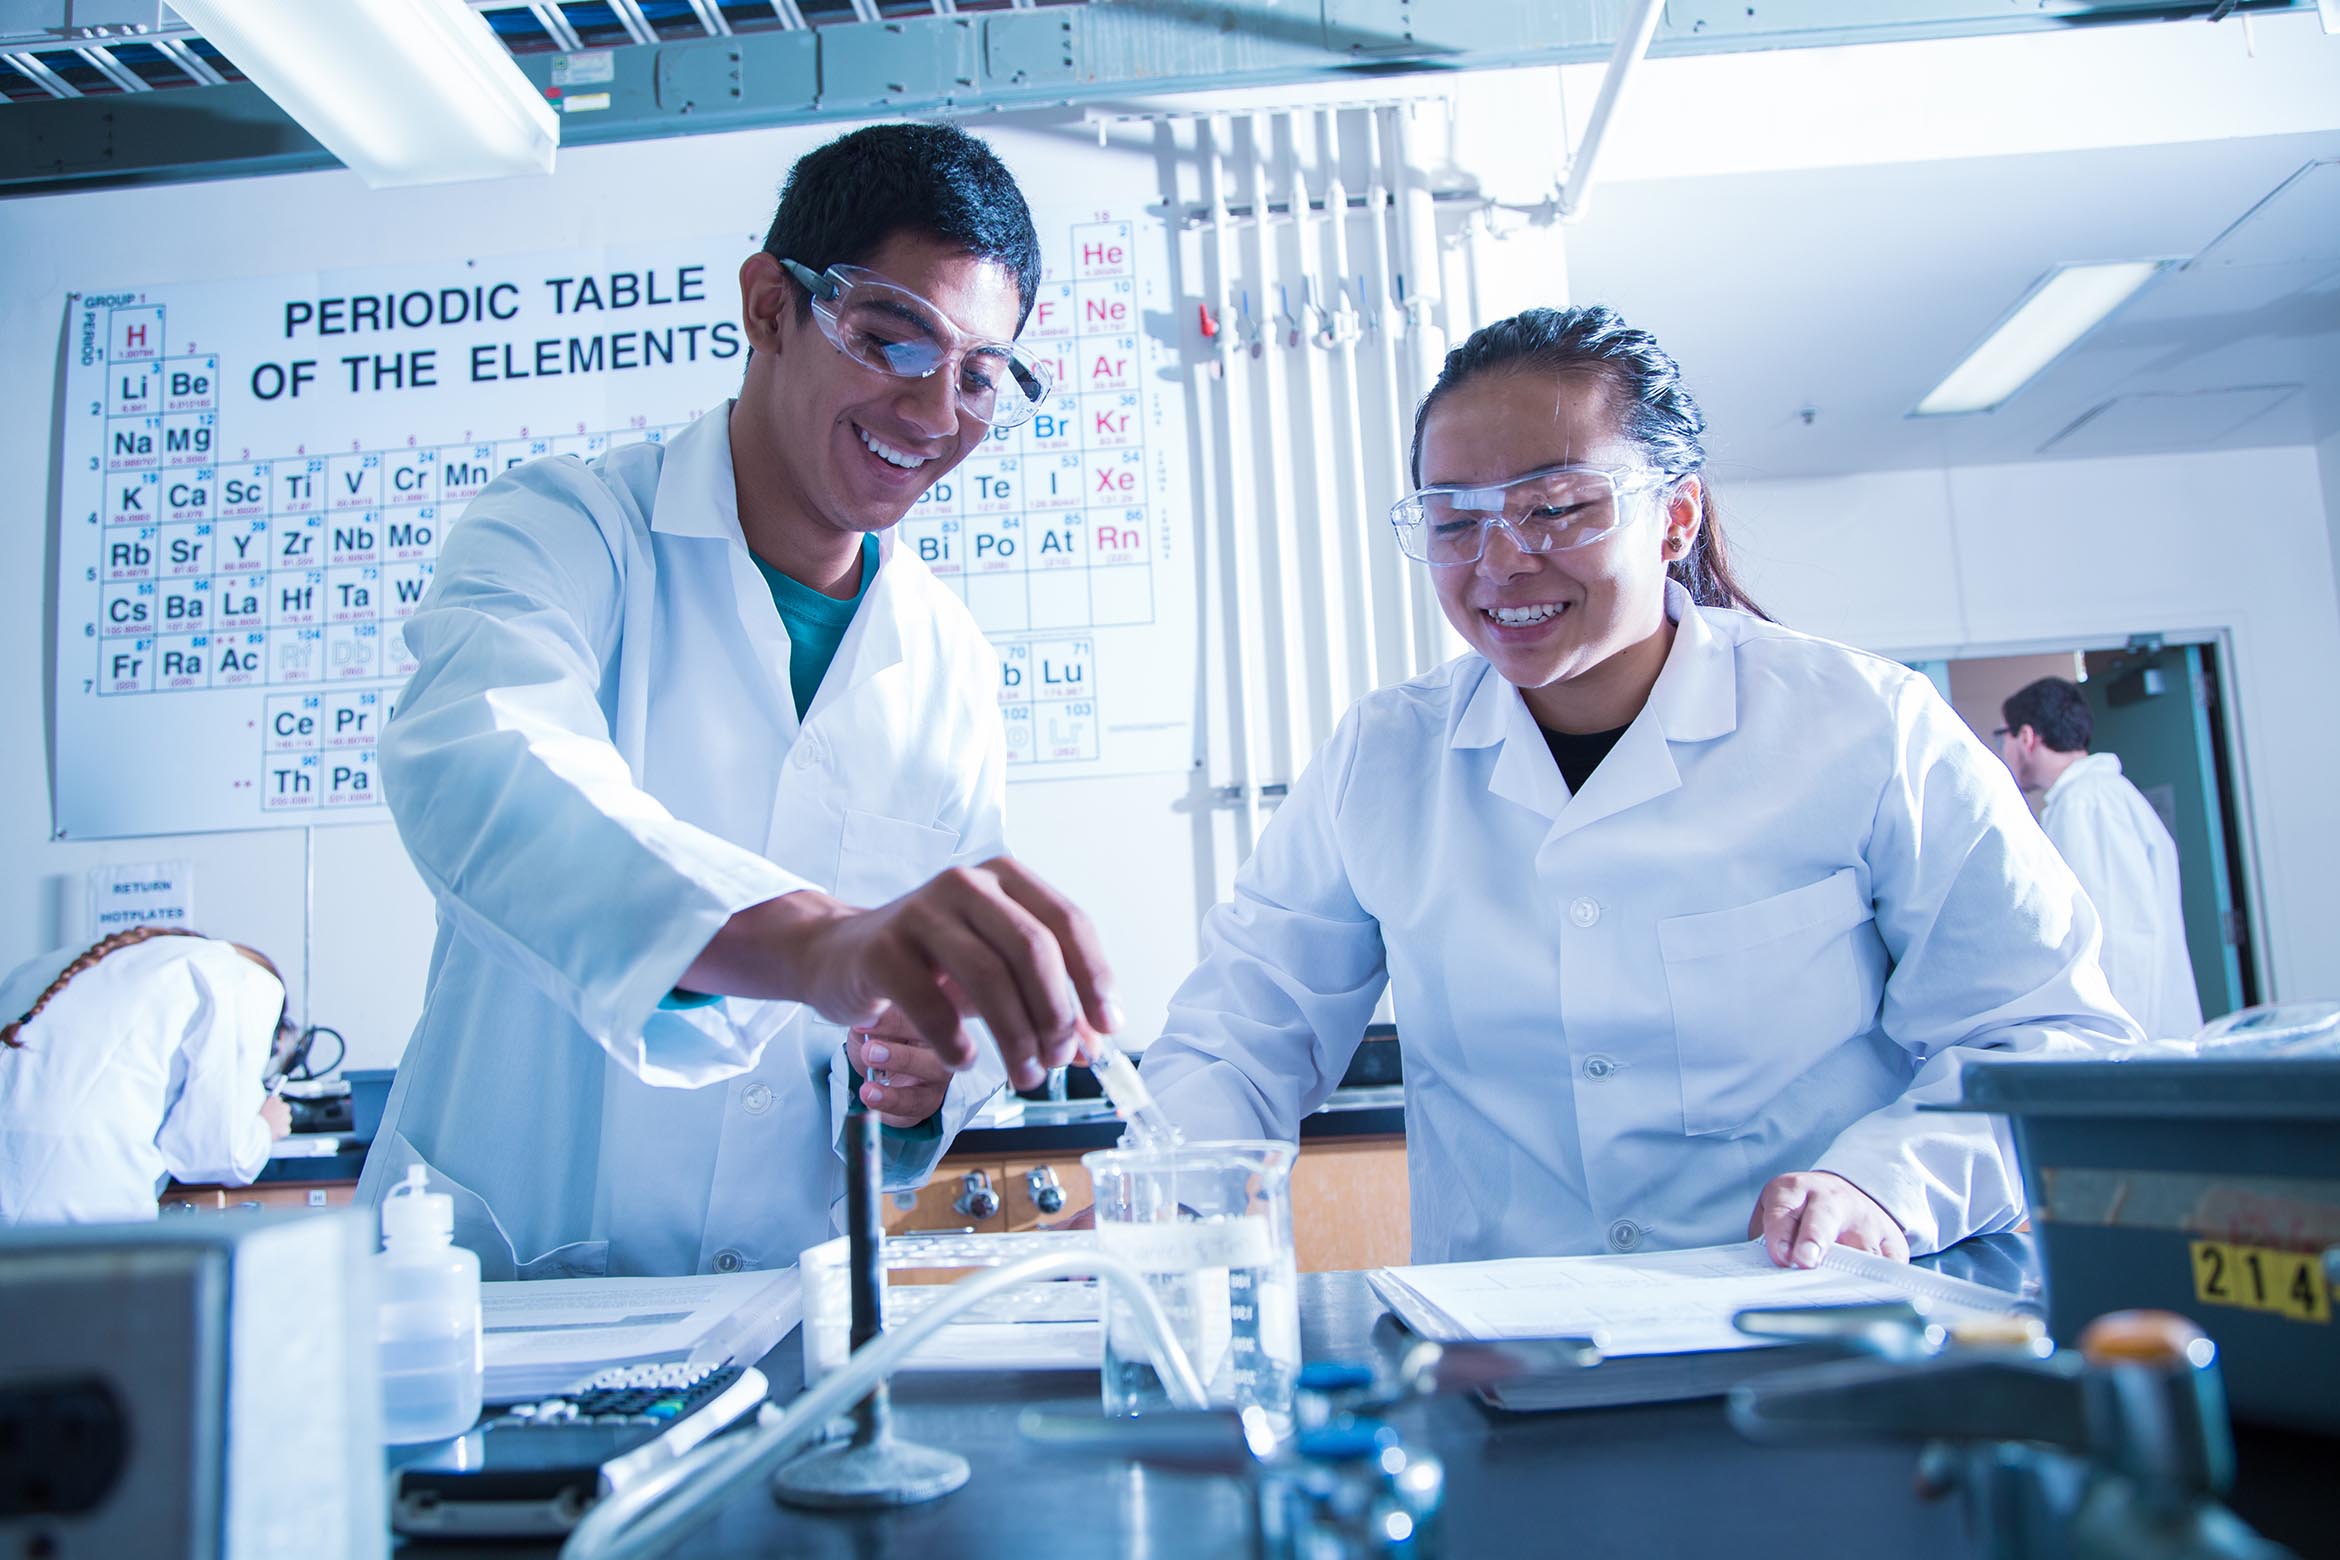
(431, 1353)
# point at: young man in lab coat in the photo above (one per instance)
(704, 769)
(2117, 847)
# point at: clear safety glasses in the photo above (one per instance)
(894, 331)
(1557, 508)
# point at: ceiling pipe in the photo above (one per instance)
(1632, 49)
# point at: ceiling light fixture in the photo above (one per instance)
(403, 91)
(2064, 306)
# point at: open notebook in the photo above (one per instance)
(1662, 1319)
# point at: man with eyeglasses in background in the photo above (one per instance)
(2115, 844)
(707, 774)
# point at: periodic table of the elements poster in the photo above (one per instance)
(258, 476)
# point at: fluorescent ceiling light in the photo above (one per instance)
(403, 91)
(2069, 303)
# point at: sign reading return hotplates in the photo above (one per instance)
(257, 477)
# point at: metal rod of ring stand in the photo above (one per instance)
(871, 1467)
(865, 1233)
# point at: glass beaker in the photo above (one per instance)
(1209, 1226)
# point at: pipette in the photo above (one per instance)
(1133, 1102)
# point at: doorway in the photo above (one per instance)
(2158, 706)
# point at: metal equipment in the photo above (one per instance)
(2116, 1450)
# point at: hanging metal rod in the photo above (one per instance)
(1202, 214)
(1632, 49)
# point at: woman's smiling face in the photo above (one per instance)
(1545, 620)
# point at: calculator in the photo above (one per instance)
(532, 1470)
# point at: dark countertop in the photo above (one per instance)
(342, 1166)
(1375, 1115)
(1370, 1113)
(1667, 1479)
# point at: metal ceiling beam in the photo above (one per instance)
(177, 51)
(555, 22)
(32, 69)
(1050, 56)
(101, 59)
(630, 17)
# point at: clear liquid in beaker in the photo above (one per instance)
(1228, 1289)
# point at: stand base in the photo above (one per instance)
(884, 1472)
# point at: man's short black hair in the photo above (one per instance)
(843, 201)
(2054, 708)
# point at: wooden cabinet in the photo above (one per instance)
(1349, 1200)
(1350, 1206)
(267, 1194)
(942, 1204)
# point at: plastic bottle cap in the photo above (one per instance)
(1348, 1440)
(413, 1215)
(2161, 1338)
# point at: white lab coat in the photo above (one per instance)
(2117, 846)
(596, 763)
(147, 1065)
(1781, 911)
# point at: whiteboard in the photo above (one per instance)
(256, 477)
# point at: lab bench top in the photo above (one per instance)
(1656, 1480)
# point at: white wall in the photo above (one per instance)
(2328, 462)
(1971, 559)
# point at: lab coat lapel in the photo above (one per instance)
(1695, 699)
(698, 496)
(1495, 716)
(873, 641)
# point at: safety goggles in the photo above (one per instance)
(894, 331)
(1552, 510)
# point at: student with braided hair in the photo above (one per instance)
(130, 1061)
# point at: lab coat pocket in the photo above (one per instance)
(1762, 991)
(881, 858)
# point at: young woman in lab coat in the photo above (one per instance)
(139, 1058)
(1683, 913)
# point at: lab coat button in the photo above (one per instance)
(729, 1261)
(1624, 1235)
(756, 1098)
(1584, 911)
(1599, 1067)
(811, 751)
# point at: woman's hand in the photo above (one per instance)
(1802, 1214)
(277, 1114)
(904, 1081)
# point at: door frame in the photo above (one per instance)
(2238, 802)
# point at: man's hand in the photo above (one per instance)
(1801, 1215)
(278, 1115)
(992, 941)
(904, 1081)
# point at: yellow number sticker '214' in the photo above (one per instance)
(2260, 1278)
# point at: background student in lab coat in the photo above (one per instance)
(1683, 913)
(130, 1061)
(703, 767)
(2115, 844)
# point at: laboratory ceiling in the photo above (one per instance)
(1812, 308)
